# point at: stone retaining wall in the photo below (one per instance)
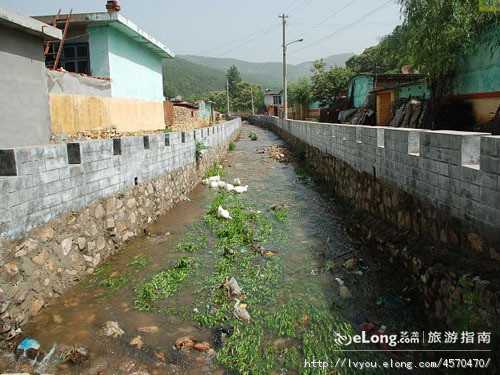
(65, 219)
(433, 216)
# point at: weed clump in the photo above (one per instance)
(163, 284)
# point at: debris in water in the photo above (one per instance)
(240, 311)
(214, 179)
(263, 251)
(343, 290)
(42, 366)
(184, 343)
(232, 288)
(214, 184)
(137, 342)
(150, 329)
(221, 185)
(229, 187)
(75, 354)
(279, 153)
(112, 329)
(220, 335)
(241, 189)
(28, 348)
(278, 207)
(202, 346)
(236, 182)
(221, 212)
(351, 263)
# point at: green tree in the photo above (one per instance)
(328, 84)
(219, 98)
(300, 95)
(233, 78)
(242, 101)
(439, 31)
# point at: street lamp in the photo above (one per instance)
(285, 68)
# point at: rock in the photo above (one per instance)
(150, 329)
(131, 203)
(475, 242)
(66, 245)
(232, 288)
(41, 258)
(202, 346)
(137, 342)
(99, 212)
(240, 312)
(82, 243)
(76, 355)
(36, 306)
(101, 243)
(45, 233)
(11, 268)
(110, 223)
(185, 342)
(112, 329)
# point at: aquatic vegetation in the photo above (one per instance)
(139, 262)
(215, 169)
(281, 214)
(232, 146)
(193, 242)
(163, 284)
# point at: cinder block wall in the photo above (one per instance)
(47, 185)
(456, 173)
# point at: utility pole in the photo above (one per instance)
(285, 70)
(227, 94)
(253, 107)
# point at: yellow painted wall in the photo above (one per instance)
(71, 114)
(484, 108)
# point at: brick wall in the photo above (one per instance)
(456, 173)
(46, 184)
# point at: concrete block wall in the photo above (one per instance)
(458, 172)
(47, 185)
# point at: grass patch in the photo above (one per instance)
(232, 146)
(193, 242)
(215, 169)
(163, 284)
(281, 214)
(139, 262)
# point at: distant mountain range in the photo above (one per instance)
(189, 75)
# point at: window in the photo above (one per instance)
(74, 58)
(277, 99)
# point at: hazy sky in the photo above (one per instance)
(248, 30)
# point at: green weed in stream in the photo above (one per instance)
(139, 262)
(215, 169)
(163, 284)
(281, 214)
(193, 242)
(280, 335)
(232, 146)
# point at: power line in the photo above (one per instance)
(336, 13)
(321, 40)
(249, 38)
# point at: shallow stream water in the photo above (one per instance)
(312, 244)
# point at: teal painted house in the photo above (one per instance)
(108, 45)
(205, 111)
(478, 76)
(359, 88)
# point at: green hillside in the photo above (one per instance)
(191, 76)
(188, 79)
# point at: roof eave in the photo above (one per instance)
(29, 25)
(126, 25)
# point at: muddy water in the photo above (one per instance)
(312, 244)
